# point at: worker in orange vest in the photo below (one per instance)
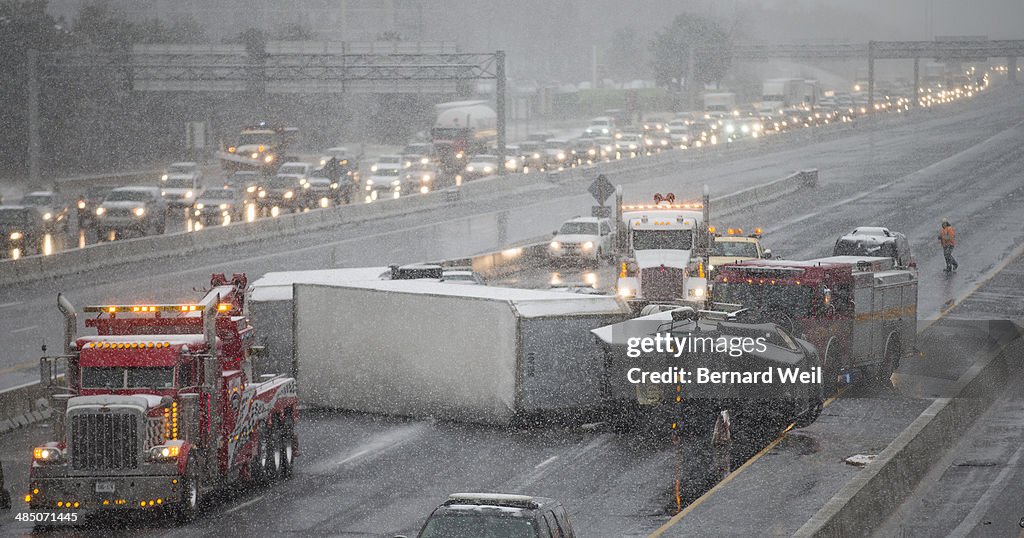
(947, 237)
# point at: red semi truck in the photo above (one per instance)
(161, 406)
(860, 312)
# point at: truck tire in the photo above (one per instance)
(187, 508)
(890, 363)
(287, 448)
(812, 408)
(258, 461)
(275, 453)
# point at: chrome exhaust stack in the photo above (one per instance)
(70, 323)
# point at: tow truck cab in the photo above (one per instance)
(160, 406)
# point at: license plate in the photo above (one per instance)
(104, 487)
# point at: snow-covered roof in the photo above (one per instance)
(277, 286)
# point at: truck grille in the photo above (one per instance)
(119, 212)
(104, 441)
(662, 283)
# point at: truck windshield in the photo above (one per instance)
(740, 249)
(480, 526)
(118, 377)
(662, 239)
(256, 139)
(793, 300)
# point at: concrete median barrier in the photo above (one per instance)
(881, 487)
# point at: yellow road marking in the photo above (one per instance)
(693, 506)
(707, 495)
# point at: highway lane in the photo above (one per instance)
(382, 475)
(850, 165)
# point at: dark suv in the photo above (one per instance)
(494, 515)
(876, 241)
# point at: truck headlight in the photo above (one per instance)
(555, 245)
(81, 204)
(15, 236)
(100, 211)
(139, 211)
(255, 155)
(164, 452)
(47, 454)
(625, 291)
(697, 292)
(47, 216)
(588, 245)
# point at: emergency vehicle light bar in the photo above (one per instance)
(663, 205)
(140, 309)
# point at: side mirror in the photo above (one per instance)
(767, 253)
(554, 232)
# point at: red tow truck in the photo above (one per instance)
(860, 312)
(162, 406)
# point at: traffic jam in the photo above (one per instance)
(263, 174)
(687, 307)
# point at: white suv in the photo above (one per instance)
(584, 238)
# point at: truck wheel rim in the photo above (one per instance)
(193, 494)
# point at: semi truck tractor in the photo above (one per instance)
(662, 249)
(163, 405)
(462, 129)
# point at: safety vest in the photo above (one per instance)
(947, 236)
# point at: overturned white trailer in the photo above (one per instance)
(428, 348)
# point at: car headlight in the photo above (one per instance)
(323, 162)
(469, 168)
(197, 212)
(488, 169)
(711, 267)
(47, 454)
(189, 194)
(588, 245)
(426, 178)
(47, 216)
(288, 195)
(396, 183)
(424, 189)
(139, 211)
(373, 168)
(604, 131)
(424, 160)
(268, 159)
(262, 194)
(81, 204)
(164, 452)
(560, 156)
(697, 292)
(255, 155)
(223, 206)
(369, 182)
(16, 236)
(334, 185)
(556, 245)
(200, 206)
(250, 188)
(625, 291)
(305, 185)
(100, 211)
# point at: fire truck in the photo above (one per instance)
(662, 249)
(162, 406)
(860, 312)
